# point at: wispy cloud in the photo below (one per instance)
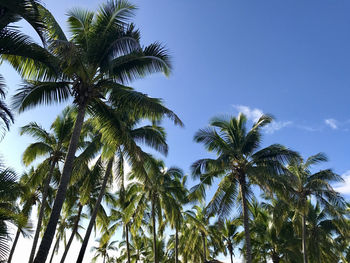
(332, 123)
(344, 187)
(254, 114)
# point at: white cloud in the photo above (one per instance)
(344, 187)
(276, 125)
(331, 123)
(251, 114)
(254, 114)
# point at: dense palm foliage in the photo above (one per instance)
(91, 172)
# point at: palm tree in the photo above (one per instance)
(103, 249)
(29, 196)
(239, 163)
(83, 192)
(161, 188)
(5, 114)
(119, 136)
(102, 54)
(9, 212)
(53, 146)
(229, 232)
(13, 43)
(300, 184)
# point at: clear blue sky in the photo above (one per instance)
(289, 58)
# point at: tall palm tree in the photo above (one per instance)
(102, 54)
(159, 186)
(119, 143)
(240, 163)
(301, 184)
(52, 145)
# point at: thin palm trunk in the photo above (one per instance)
(231, 256)
(304, 238)
(204, 248)
(14, 245)
(94, 213)
(54, 248)
(74, 231)
(42, 210)
(46, 241)
(104, 258)
(127, 242)
(246, 220)
(154, 233)
(176, 245)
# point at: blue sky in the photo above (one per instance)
(288, 58)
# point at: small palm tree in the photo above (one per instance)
(300, 184)
(9, 191)
(103, 250)
(229, 232)
(239, 163)
(29, 197)
(159, 186)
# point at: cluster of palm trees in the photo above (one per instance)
(90, 172)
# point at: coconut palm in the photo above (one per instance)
(229, 232)
(240, 163)
(29, 197)
(53, 145)
(301, 184)
(118, 144)
(9, 212)
(15, 43)
(159, 186)
(103, 250)
(102, 54)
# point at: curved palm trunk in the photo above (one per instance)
(46, 241)
(154, 233)
(94, 213)
(176, 245)
(74, 231)
(54, 248)
(304, 238)
(14, 246)
(41, 212)
(204, 248)
(127, 242)
(243, 186)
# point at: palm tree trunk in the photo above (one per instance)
(204, 248)
(231, 256)
(176, 245)
(127, 242)
(243, 187)
(42, 210)
(304, 238)
(94, 213)
(14, 245)
(54, 248)
(154, 233)
(74, 231)
(46, 241)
